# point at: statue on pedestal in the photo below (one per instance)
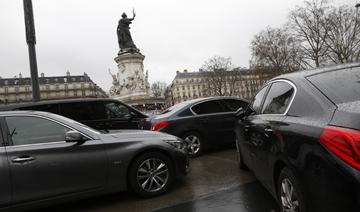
(126, 43)
(130, 82)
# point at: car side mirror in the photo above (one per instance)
(74, 136)
(240, 112)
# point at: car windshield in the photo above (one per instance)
(340, 86)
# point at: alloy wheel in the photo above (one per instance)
(193, 143)
(152, 175)
(289, 200)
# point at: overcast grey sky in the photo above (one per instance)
(80, 35)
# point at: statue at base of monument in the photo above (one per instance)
(125, 40)
(115, 88)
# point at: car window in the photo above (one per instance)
(278, 98)
(256, 104)
(82, 111)
(30, 130)
(340, 86)
(116, 110)
(234, 104)
(208, 107)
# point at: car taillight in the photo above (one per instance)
(344, 143)
(156, 126)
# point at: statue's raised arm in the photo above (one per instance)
(134, 14)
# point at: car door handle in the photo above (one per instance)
(268, 131)
(22, 159)
(246, 128)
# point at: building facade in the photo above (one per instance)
(191, 85)
(18, 89)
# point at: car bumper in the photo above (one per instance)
(182, 164)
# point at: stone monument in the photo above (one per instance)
(130, 84)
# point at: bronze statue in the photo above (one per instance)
(126, 43)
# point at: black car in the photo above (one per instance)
(101, 114)
(47, 157)
(203, 123)
(301, 138)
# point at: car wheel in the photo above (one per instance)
(151, 174)
(194, 143)
(290, 195)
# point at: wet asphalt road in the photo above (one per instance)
(215, 183)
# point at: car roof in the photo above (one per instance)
(46, 102)
(24, 112)
(193, 101)
(306, 73)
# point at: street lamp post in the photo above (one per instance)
(356, 27)
(31, 41)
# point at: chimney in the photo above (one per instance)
(20, 75)
(177, 72)
(42, 75)
(185, 71)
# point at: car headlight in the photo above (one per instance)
(177, 144)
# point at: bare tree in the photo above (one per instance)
(309, 24)
(276, 50)
(220, 76)
(343, 40)
(158, 88)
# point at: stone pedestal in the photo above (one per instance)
(130, 83)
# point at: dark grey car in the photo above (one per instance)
(204, 123)
(45, 156)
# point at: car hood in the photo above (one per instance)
(129, 135)
(347, 115)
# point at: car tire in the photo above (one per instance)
(151, 174)
(290, 194)
(195, 144)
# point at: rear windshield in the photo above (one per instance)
(340, 86)
(174, 108)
